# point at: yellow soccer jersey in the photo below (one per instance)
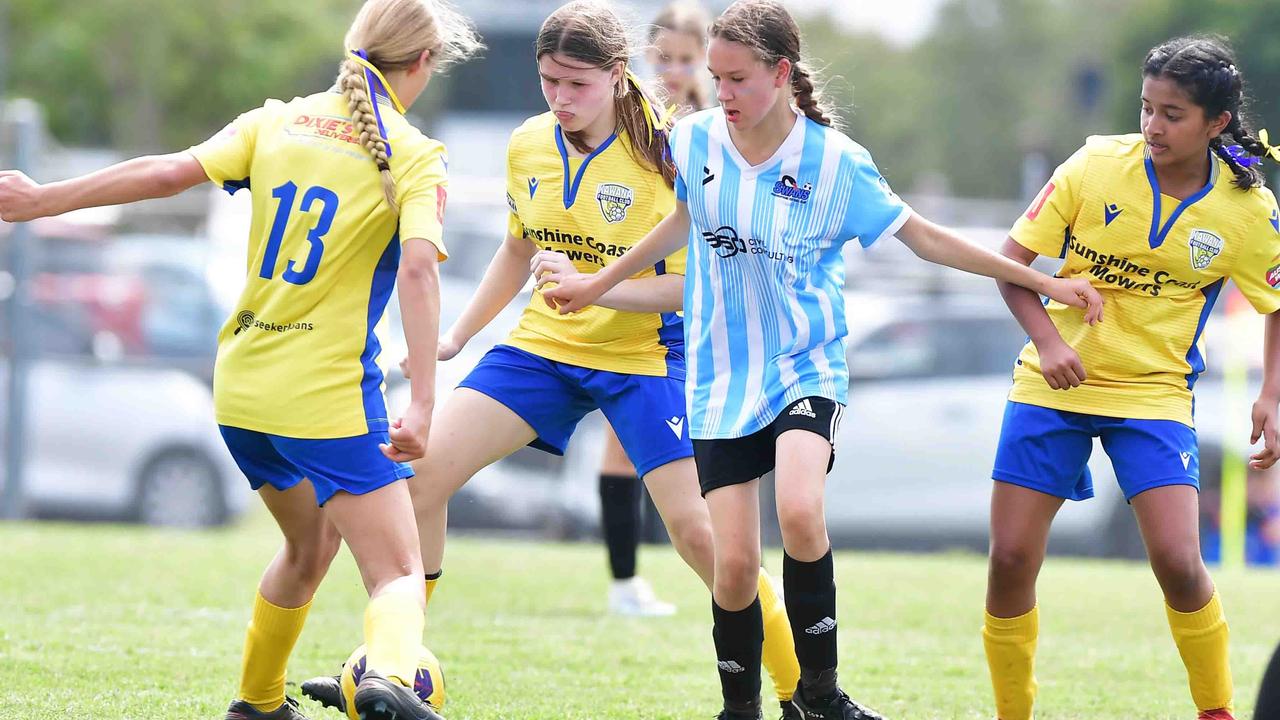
(1160, 264)
(593, 209)
(298, 356)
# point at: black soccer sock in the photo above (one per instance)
(810, 590)
(738, 638)
(620, 519)
(1268, 707)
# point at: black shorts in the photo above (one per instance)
(734, 461)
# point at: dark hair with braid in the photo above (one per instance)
(766, 27)
(589, 32)
(1204, 66)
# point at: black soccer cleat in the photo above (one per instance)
(241, 710)
(789, 710)
(837, 707)
(326, 690)
(378, 698)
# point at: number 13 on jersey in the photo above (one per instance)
(286, 194)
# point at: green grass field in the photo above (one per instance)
(114, 622)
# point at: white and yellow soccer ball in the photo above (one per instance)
(429, 683)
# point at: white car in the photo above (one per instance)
(123, 441)
(929, 379)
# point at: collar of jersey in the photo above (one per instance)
(793, 136)
(570, 193)
(1157, 234)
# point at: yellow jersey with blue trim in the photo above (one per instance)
(1160, 264)
(592, 209)
(297, 358)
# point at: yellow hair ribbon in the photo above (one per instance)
(1273, 151)
(652, 121)
(391, 94)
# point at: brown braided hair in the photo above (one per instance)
(1204, 67)
(767, 28)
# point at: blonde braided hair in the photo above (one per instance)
(392, 35)
(355, 88)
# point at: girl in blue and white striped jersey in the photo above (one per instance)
(769, 191)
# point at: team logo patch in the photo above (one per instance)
(790, 189)
(1273, 276)
(614, 200)
(1205, 246)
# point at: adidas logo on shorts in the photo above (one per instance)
(824, 625)
(803, 408)
(730, 666)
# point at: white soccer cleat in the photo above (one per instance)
(634, 597)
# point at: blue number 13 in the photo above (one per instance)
(286, 194)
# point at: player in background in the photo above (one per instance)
(769, 191)
(677, 53)
(1157, 221)
(585, 180)
(347, 203)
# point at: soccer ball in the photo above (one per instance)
(429, 683)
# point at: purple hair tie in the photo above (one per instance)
(1242, 156)
(374, 84)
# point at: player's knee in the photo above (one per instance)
(1010, 564)
(804, 531)
(737, 572)
(691, 536)
(309, 558)
(1179, 571)
(797, 516)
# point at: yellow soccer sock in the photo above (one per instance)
(1011, 656)
(269, 641)
(778, 654)
(1201, 637)
(393, 624)
(432, 579)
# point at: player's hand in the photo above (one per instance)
(573, 292)
(1265, 427)
(1060, 365)
(449, 345)
(1077, 292)
(550, 268)
(408, 435)
(20, 197)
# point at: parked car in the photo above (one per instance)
(117, 440)
(929, 377)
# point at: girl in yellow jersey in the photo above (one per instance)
(587, 179)
(1158, 222)
(677, 52)
(347, 202)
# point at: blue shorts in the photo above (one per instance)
(353, 465)
(1047, 450)
(646, 412)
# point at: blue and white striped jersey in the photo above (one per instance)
(763, 298)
